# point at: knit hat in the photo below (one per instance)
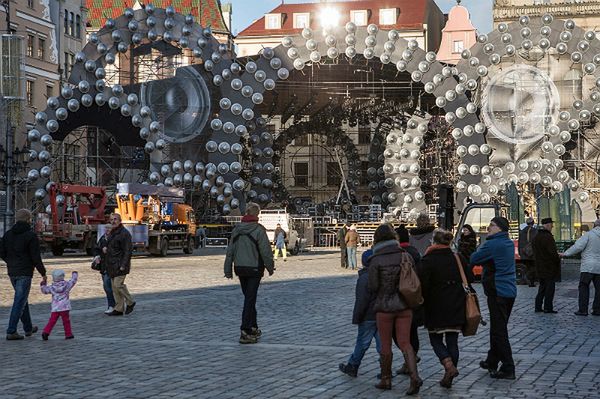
(365, 257)
(501, 222)
(58, 275)
(402, 234)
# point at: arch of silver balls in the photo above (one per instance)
(479, 179)
(218, 173)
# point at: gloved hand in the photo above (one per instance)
(230, 276)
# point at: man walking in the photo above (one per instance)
(249, 254)
(526, 236)
(20, 249)
(341, 237)
(589, 247)
(118, 251)
(547, 266)
(497, 256)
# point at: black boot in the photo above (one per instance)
(415, 381)
(449, 374)
(349, 369)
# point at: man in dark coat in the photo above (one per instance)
(363, 316)
(118, 252)
(547, 266)
(20, 249)
(526, 237)
(341, 237)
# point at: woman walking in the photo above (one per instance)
(444, 296)
(391, 309)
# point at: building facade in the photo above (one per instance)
(585, 13)
(458, 34)
(420, 20)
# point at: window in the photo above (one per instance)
(334, 177)
(458, 46)
(66, 23)
(49, 91)
(30, 39)
(301, 140)
(364, 134)
(387, 16)
(69, 60)
(301, 174)
(30, 3)
(359, 17)
(78, 27)
(41, 49)
(273, 21)
(29, 92)
(302, 20)
(71, 24)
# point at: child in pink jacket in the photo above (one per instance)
(61, 304)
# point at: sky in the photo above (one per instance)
(246, 11)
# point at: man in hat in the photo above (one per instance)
(497, 256)
(526, 236)
(547, 266)
(589, 247)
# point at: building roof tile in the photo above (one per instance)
(206, 12)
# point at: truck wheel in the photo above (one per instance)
(164, 247)
(58, 250)
(295, 251)
(188, 248)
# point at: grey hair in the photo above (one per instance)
(252, 209)
(23, 215)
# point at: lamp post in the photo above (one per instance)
(10, 170)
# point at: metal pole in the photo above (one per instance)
(10, 208)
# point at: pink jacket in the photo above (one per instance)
(60, 293)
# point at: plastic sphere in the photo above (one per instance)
(461, 151)
(160, 144)
(61, 114)
(559, 149)
(463, 169)
(149, 147)
(461, 186)
(485, 149)
(546, 147)
(211, 146)
(497, 172)
(474, 190)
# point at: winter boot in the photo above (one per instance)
(385, 362)
(415, 381)
(349, 369)
(450, 372)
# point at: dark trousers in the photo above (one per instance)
(400, 322)
(584, 292)
(529, 271)
(250, 289)
(107, 285)
(344, 257)
(20, 307)
(445, 350)
(500, 350)
(545, 296)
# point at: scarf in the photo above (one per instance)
(249, 218)
(435, 247)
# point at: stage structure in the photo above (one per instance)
(202, 128)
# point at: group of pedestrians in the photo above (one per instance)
(348, 240)
(20, 249)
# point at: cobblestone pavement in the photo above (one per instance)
(181, 341)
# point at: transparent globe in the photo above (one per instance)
(519, 104)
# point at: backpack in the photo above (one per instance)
(528, 247)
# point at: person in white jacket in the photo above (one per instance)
(589, 247)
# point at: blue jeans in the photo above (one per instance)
(351, 257)
(107, 285)
(366, 331)
(20, 308)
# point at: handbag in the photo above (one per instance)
(409, 285)
(472, 312)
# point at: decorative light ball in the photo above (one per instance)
(40, 194)
(440, 101)
(451, 95)
(559, 149)
(497, 172)
(423, 66)
(414, 168)
(468, 131)
(351, 53)
(419, 196)
(144, 133)
(486, 170)
(510, 167)
(216, 124)
(474, 170)
(547, 146)
(211, 146)
(474, 190)
(565, 136)
(248, 114)
(52, 125)
(510, 50)
(485, 149)
(408, 199)
(461, 112)
(561, 48)
(407, 55)
(224, 147)
(287, 42)
(236, 109)
(165, 170)
(62, 114)
(137, 38)
(573, 124)
(149, 147)
(546, 181)
(122, 47)
(404, 153)
(126, 110)
(589, 68)
(160, 144)
(525, 33)
(473, 149)
(450, 117)
(101, 48)
(461, 186)
(53, 102)
(557, 186)
(269, 84)
(461, 151)
(573, 185)
(576, 57)
(66, 92)
(177, 180)
(228, 127)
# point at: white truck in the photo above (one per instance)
(270, 218)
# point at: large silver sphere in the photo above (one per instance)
(40, 194)
(73, 105)
(45, 172)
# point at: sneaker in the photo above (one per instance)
(246, 338)
(115, 313)
(109, 310)
(256, 332)
(348, 369)
(130, 308)
(45, 336)
(14, 336)
(33, 331)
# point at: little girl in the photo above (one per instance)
(61, 305)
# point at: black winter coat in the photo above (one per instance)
(384, 275)
(102, 242)
(547, 261)
(118, 256)
(442, 289)
(467, 245)
(365, 300)
(20, 249)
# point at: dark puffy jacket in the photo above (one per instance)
(118, 255)
(384, 275)
(20, 249)
(365, 300)
(418, 311)
(497, 256)
(442, 288)
(249, 250)
(420, 238)
(547, 261)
